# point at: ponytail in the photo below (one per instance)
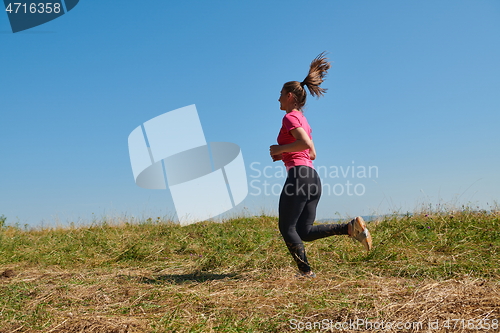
(317, 72)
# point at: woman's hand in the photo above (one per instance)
(276, 153)
(275, 150)
(277, 157)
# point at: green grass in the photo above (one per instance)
(236, 276)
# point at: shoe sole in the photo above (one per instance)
(304, 276)
(360, 230)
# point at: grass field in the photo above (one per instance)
(429, 272)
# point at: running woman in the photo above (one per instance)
(302, 189)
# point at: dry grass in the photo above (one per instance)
(259, 301)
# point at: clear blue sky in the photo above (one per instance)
(414, 90)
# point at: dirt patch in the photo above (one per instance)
(9, 273)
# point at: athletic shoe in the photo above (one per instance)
(360, 232)
(305, 275)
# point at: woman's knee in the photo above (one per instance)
(304, 234)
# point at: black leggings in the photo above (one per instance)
(297, 212)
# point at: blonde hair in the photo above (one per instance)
(317, 72)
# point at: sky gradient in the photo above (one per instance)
(413, 92)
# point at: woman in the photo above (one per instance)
(302, 189)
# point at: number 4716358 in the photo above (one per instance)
(33, 8)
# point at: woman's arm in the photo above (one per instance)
(302, 142)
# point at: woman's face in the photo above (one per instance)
(284, 99)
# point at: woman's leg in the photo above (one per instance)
(305, 228)
(309, 232)
(297, 212)
(356, 228)
(291, 204)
